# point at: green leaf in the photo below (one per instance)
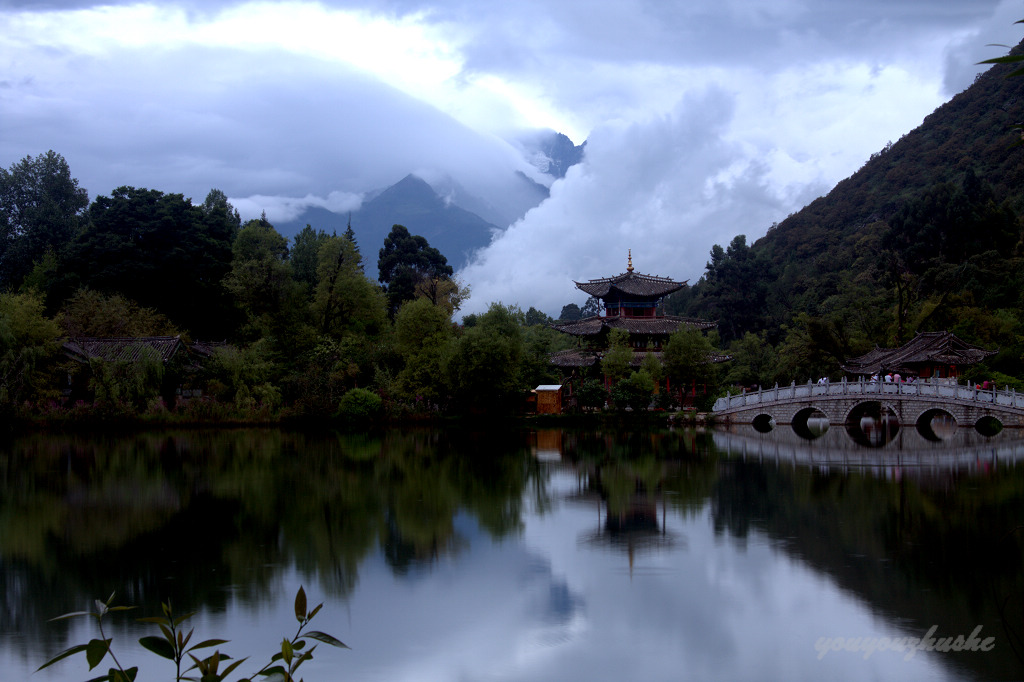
(62, 655)
(159, 646)
(181, 619)
(95, 650)
(209, 642)
(122, 608)
(116, 675)
(315, 611)
(1011, 59)
(300, 605)
(71, 615)
(275, 674)
(230, 668)
(286, 650)
(326, 639)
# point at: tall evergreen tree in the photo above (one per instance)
(350, 235)
(404, 262)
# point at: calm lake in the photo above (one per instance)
(500, 555)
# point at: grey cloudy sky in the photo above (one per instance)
(704, 118)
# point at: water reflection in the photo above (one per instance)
(810, 426)
(518, 555)
(938, 427)
(908, 450)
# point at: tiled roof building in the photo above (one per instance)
(929, 354)
(128, 348)
(630, 303)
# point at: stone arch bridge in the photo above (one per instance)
(846, 402)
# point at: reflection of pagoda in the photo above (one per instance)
(631, 302)
(633, 529)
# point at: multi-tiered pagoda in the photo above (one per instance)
(631, 302)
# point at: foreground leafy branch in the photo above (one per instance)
(173, 644)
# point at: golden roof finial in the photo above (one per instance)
(629, 265)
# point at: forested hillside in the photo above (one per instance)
(925, 236)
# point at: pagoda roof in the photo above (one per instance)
(579, 357)
(666, 324)
(941, 348)
(632, 284)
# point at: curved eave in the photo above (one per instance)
(574, 358)
(631, 284)
(653, 326)
(588, 358)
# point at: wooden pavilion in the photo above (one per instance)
(631, 302)
(929, 355)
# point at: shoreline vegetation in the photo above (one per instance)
(86, 418)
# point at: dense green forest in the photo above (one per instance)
(926, 236)
(291, 329)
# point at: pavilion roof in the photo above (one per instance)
(631, 284)
(575, 358)
(941, 348)
(580, 357)
(122, 348)
(666, 324)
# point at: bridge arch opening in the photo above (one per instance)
(936, 425)
(763, 423)
(988, 425)
(810, 423)
(872, 424)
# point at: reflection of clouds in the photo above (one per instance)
(559, 605)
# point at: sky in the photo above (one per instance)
(704, 119)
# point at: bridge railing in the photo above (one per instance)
(922, 388)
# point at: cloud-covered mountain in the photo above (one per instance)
(551, 153)
(436, 206)
(454, 230)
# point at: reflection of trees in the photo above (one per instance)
(432, 475)
(181, 515)
(937, 550)
(622, 464)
